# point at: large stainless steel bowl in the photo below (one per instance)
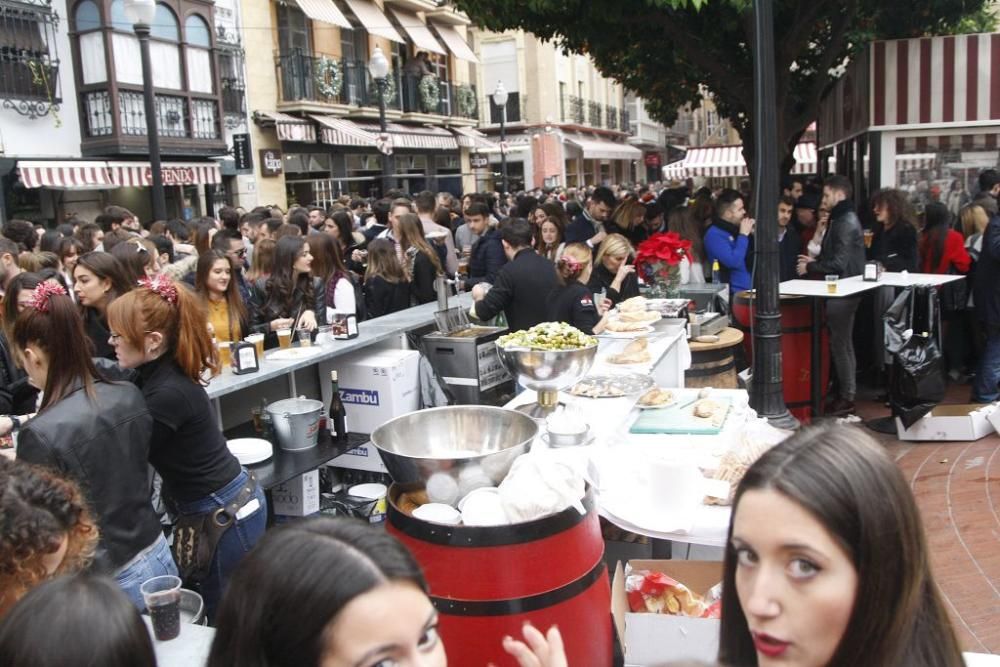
(547, 370)
(470, 445)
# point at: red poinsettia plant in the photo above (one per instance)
(658, 259)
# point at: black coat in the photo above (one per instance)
(574, 305)
(263, 312)
(487, 259)
(17, 397)
(986, 289)
(97, 331)
(580, 230)
(102, 445)
(383, 297)
(422, 286)
(896, 247)
(520, 291)
(789, 248)
(843, 250)
(601, 279)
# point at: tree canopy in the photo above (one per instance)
(665, 49)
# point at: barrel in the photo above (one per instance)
(714, 364)
(796, 349)
(486, 581)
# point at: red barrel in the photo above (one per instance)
(796, 349)
(486, 582)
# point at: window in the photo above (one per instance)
(29, 65)
(199, 55)
(230, 61)
(293, 30)
(163, 48)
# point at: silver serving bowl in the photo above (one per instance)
(547, 370)
(470, 445)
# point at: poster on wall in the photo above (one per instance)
(270, 162)
(241, 153)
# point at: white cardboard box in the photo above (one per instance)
(375, 387)
(652, 640)
(298, 496)
(364, 457)
(963, 423)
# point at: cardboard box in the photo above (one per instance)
(375, 387)
(963, 423)
(365, 457)
(652, 640)
(298, 496)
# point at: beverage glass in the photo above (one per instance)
(162, 596)
(324, 335)
(284, 338)
(869, 235)
(305, 338)
(831, 284)
(225, 358)
(258, 341)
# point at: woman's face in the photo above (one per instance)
(69, 260)
(613, 262)
(219, 276)
(130, 356)
(330, 227)
(795, 583)
(90, 290)
(393, 625)
(881, 213)
(550, 233)
(540, 217)
(24, 300)
(303, 261)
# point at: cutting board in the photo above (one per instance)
(674, 420)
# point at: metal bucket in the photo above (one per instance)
(296, 422)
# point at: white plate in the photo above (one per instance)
(627, 334)
(250, 450)
(671, 404)
(294, 353)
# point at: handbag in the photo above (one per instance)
(954, 295)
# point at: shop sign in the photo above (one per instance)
(479, 161)
(173, 175)
(652, 159)
(241, 152)
(270, 162)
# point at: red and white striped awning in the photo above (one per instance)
(342, 132)
(469, 137)
(726, 161)
(140, 174)
(287, 127)
(911, 161)
(65, 174)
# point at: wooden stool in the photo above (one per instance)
(713, 364)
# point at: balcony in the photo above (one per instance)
(594, 113)
(623, 122)
(29, 63)
(611, 114)
(305, 77)
(513, 108)
(575, 113)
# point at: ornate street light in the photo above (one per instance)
(500, 99)
(378, 67)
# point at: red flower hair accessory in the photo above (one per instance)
(571, 263)
(40, 295)
(162, 286)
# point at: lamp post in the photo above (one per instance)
(500, 99)
(378, 67)
(141, 13)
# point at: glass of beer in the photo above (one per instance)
(831, 283)
(284, 338)
(258, 341)
(869, 235)
(225, 359)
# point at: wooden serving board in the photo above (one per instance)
(671, 420)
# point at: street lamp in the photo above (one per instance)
(378, 67)
(141, 13)
(500, 99)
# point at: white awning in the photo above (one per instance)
(418, 32)
(601, 149)
(140, 174)
(325, 11)
(908, 161)
(469, 137)
(725, 161)
(373, 20)
(454, 41)
(340, 132)
(288, 128)
(516, 143)
(65, 174)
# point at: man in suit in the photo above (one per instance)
(789, 245)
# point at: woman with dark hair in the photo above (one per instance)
(894, 242)
(942, 249)
(680, 220)
(69, 252)
(627, 218)
(386, 288)
(420, 262)
(91, 237)
(136, 259)
(75, 621)
(325, 591)
(50, 241)
(290, 296)
(203, 233)
(17, 396)
(340, 225)
(213, 280)
(45, 529)
(329, 268)
(826, 562)
(263, 260)
(160, 331)
(98, 279)
(95, 433)
(551, 236)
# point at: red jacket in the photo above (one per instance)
(954, 255)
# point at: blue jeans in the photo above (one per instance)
(153, 561)
(984, 390)
(237, 541)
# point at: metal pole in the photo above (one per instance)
(152, 133)
(766, 392)
(386, 164)
(503, 150)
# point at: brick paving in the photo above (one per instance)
(957, 487)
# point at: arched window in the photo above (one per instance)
(163, 47)
(87, 16)
(165, 24)
(87, 20)
(199, 57)
(196, 32)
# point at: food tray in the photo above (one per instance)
(611, 386)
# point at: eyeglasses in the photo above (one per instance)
(242, 252)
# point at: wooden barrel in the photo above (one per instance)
(485, 582)
(796, 348)
(714, 364)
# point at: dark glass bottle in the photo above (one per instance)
(337, 419)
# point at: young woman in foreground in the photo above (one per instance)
(826, 563)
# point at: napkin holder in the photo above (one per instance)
(244, 358)
(873, 272)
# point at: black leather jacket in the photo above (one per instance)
(103, 445)
(843, 250)
(263, 313)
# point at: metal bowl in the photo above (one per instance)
(547, 370)
(472, 445)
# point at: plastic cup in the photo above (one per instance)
(162, 596)
(305, 338)
(258, 342)
(831, 284)
(225, 358)
(284, 338)
(869, 235)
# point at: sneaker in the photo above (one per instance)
(840, 407)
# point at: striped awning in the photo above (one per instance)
(455, 42)
(65, 174)
(418, 32)
(288, 128)
(726, 161)
(908, 162)
(469, 137)
(373, 20)
(140, 174)
(342, 132)
(602, 149)
(325, 11)
(516, 143)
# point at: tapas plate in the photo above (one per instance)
(645, 331)
(611, 386)
(670, 402)
(250, 450)
(294, 353)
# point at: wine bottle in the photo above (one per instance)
(337, 419)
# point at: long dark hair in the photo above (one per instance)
(58, 330)
(383, 262)
(284, 291)
(284, 594)
(235, 307)
(898, 206)
(410, 234)
(345, 228)
(88, 621)
(104, 265)
(936, 228)
(22, 281)
(845, 480)
(327, 263)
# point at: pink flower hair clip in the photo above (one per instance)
(41, 295)
(162, 287)
(571, 263)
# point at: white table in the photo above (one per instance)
(189, 649)
(905, 279)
